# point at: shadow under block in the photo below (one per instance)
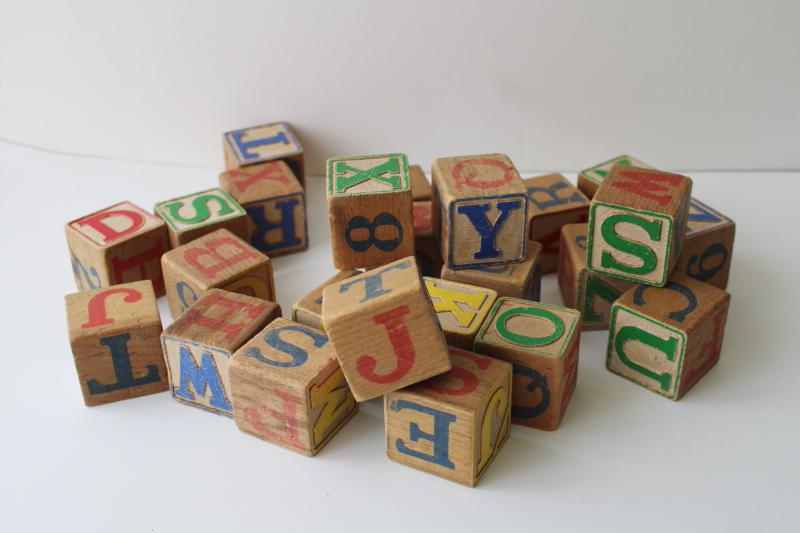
(454, 424)
(260, 144)
(667, 338)
(119, 244)
(460, 309)
(370, 210)
(287, 387)
(308, 309)
(218, 260)
(708, 250)
(194, 215)
(198, 345)
(637, 224)
(420, 186)
(589, 179)
(480, 215)
(115, 334)
(384, 329)
(541, 342)
(274, 201)
(517, 280)
(552, 202)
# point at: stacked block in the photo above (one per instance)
(191, 216)
(260, 144)
(460, 308)
(589, 179)
(420, 186)
(708, 250)
(308, 309)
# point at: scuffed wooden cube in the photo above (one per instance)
(308, 309)
(420, 186)
(260, 144)
(708, 250)
(589, 179)
(460, 308)
(194, 215)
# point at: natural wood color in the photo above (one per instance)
(707, 252)
(191, 216)
(429, 259)
(423, 219)
(420, 186)
(308, 309)
(460, 309)
(242, 147)
(589, 179)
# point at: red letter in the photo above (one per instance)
(110, 234)
(463, 174)
(97, 306)
(272, 171)
(644, 184)
(288, 418)
(468, 379)
(141, 260)
(198, 313)
(401, 342)
(220, 262)
(709, 351)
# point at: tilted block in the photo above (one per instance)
(275, 202)
(370, 211)
(308, 309)
(454, 424)
(199, 344)
(114, 334)
(384, 329)
(480, 214)
(194, 215)
(259, 144)
(541, 342)
(288, 389)
(667, 338)
(589, 179)
(637, 224)
(707, 252)
(460, 308)
(420, 186)
(119, 244)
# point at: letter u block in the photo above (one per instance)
(194, 215)
(637, 224)
(119, 244)
(589, 179)
(198, 346)
(384, 330)
(667, 338)
(259, 144)
(275, 202)
(454, 424)
(460, 308)
(480, 210)
(707, 253)
(541, 342)
(114, 335)
(308, 309)
(288, 389)
(218, 260)
(370, 210)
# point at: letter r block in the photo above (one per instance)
(260, 144)
(191, 216)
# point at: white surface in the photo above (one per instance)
(680, 84)
(724, 458)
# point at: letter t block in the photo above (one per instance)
(260, 144)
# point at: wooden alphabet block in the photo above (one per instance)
(481, 211)
(288, 389)
(707, 252)
(259, 144)
(637, 224)
(519, 280)
(553, 202)
(420, 187)
(119, 244)
(274, 201)
(198, 346)
(589, 180)
(667, 338)
(194, 215)
(370, 211)
(308, 309)
(460, 308)
(114, 335)
(425, 248)
(423, 221)
(454, 424)
(541, 341)
(384, 330)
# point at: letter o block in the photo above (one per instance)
(260, 144)
(194, 215)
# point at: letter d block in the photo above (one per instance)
(260, 144)
(199, 344)
(637, 224)
(667, 338)
(384, 330)
(288, 388)
(454, 424)
(541, 342)
(114, 335)
(194, 215)
(460, 308)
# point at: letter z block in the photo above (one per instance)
(460, 308)
(308, 309)
(589, 179)
(708, 250)
(260, 144)
(194, 215)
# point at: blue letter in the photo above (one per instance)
(285, 224)
(205, 375)
(476, 213)
(555, 199)
(243, 146)
(373, 283)
(299, 355)
(118, 346)
(440, 436)
(537, 381)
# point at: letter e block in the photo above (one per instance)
(194, 215)
(308, 309)
(707, 252)
(260, 144)
(589, 179)
(460, 308)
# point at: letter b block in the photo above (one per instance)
(194, 215)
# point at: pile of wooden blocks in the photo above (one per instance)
(435, 306)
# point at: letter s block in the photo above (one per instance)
(667, 338)
(194, 215)
(589, 179)
(454, 424)
(260, 144)
(288, 389)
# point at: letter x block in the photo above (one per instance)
(667, 338)
(384, 329)
(369, 205)
(275, 202)
(119, 244)
(259, 144)
(194, 215)
(308, 309)
(288, 388)
(199, 344)
(454, 424)
(114, 335)
(541, 341)
(637, 224)
(589, 180)
(708, 250)
(460, 308)
(480, 214)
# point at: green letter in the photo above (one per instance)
(643, 252)
(595, 287)
(200, 205)
(666, 346)
(525, 340)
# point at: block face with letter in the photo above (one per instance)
(589, 179)
(708, 250)
(384, 329)
(260, 144)
(460, 308)
(308, 309)
(194, 215)
(667, 338)
(454, 424)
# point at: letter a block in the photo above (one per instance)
(288, 388)
(589, 180)
(370, 210)
(194, 215)
(259, 144)
(667, 338)
(541, 342)
(114, 335)
(706, 255)
(454, 424)
(480, 214)
(308, 309)
(119, 244)
(460, 308)
(384, 330)
(199, 344)
(637, 224)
